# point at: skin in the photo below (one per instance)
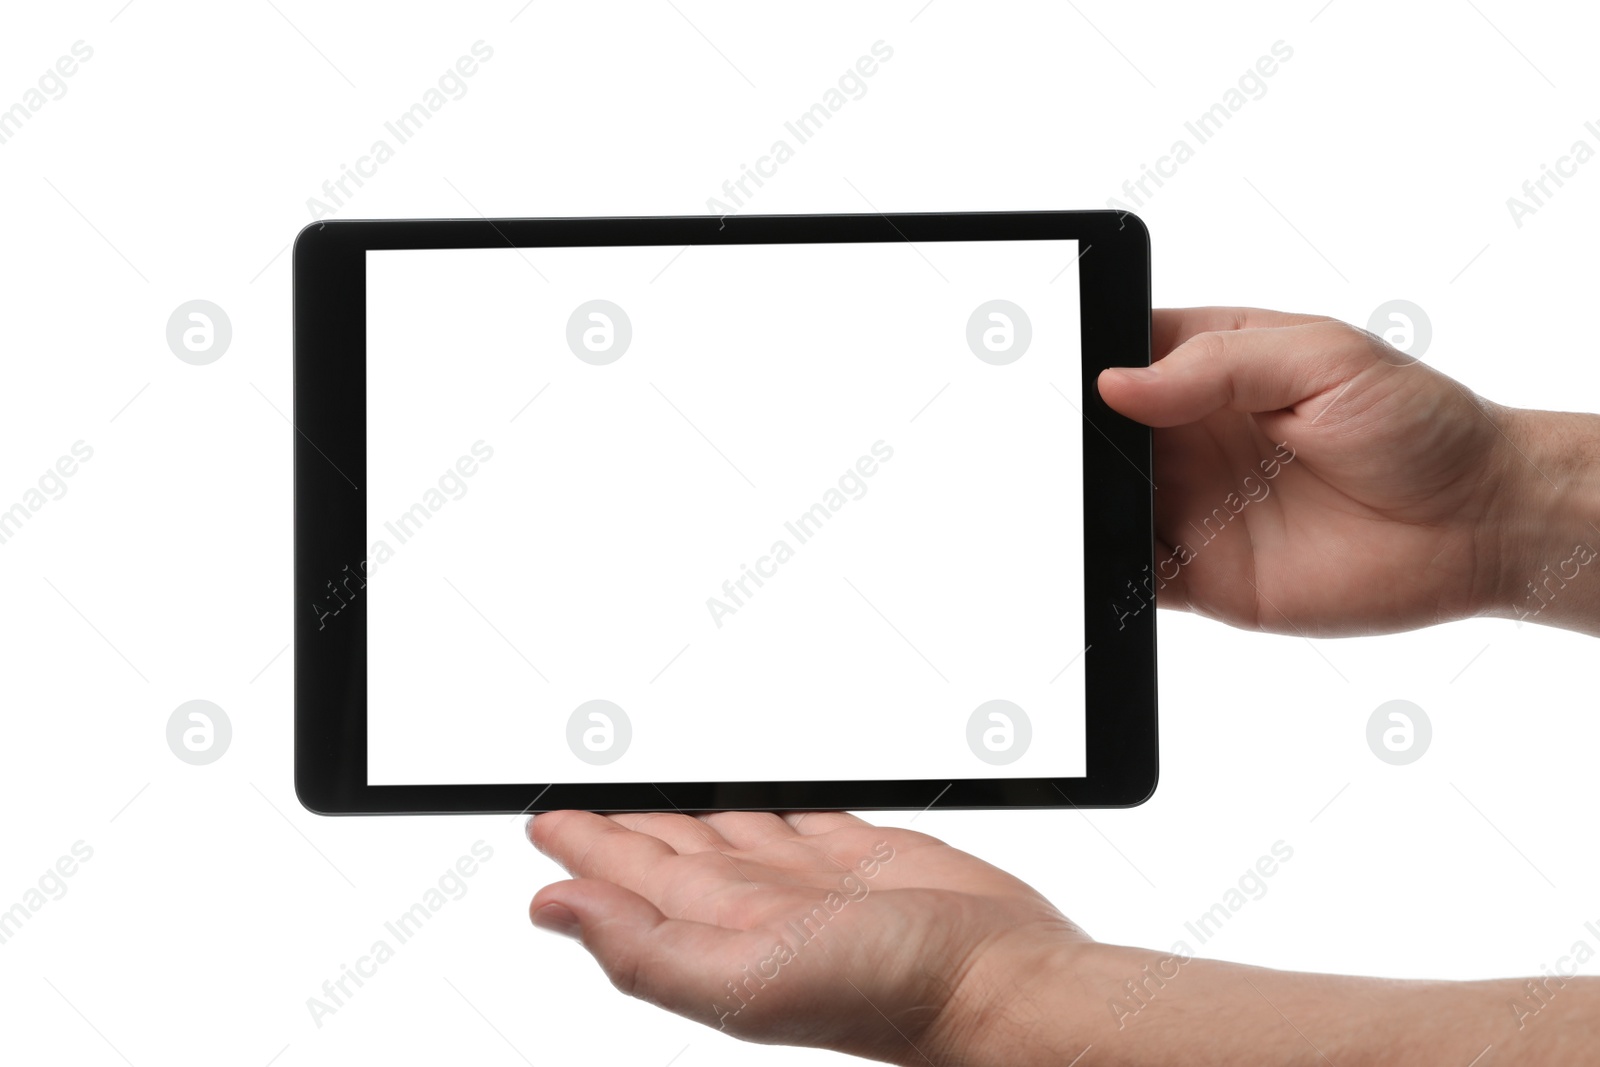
(1409, 501)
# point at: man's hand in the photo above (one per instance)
(1318, 482)
(1374, 501)
(816, 929)
(826, 931)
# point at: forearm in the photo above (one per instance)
(1138, 1008)
(1547, 521)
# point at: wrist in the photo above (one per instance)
(1545, 521)
(1050, 1004)
(1043, 1004)
(1112, 1006)
(1027, 1001)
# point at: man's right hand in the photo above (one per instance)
(1313, 480)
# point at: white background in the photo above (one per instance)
(578, 562)
(178, 166)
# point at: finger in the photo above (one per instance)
(1170, 327)
(685, 834)
(1171, 593)
(820, 822)
(749, 829)
(677, 964)
(592, 846)
(1255, 370)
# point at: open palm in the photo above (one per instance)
(817, 929)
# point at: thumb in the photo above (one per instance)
(677, 964)
(1255, 370)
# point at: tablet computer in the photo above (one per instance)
(781, 513)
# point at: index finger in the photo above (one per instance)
(1170, 327)
(593, 846)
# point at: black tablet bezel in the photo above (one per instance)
(330, 684)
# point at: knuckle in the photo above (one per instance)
(624, 972)
(1209, 345)
(1348, 334)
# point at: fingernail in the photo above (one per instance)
(558, 919)
(1137, 374)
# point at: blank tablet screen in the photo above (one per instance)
(768, 512)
